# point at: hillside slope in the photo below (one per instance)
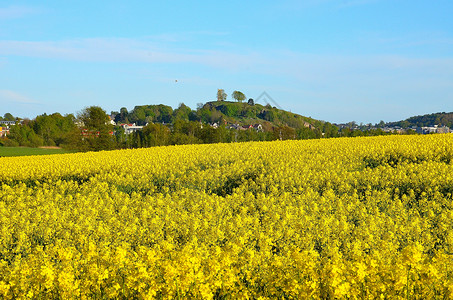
(244, 114)
(440, 118)
(226, 113)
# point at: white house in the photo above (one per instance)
(8, 123)
(433, 129)
(131, 128)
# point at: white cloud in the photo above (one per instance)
(378, 75)
(301, 65)
(16, 11)
(435, 41)
(11, 96)
(373, 81)
(125, 50)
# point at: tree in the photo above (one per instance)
(165, 114)
(284, 133)
(405, 124)
(329, 130)
(182, 113)
(24, 135)
(96, 123)
(238, 96)
(94, 118)
(122, 116)
(8, 117)
(221, 95)
(155, 135)
(268, 115)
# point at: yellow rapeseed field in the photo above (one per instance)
(361, 218)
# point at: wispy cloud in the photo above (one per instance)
(11, 96)
(291, 62)
(17, 11)
(301, 65)
(373, 84)
(434, 40)
(125, 50)
(372, 80)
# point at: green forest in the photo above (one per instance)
(212, 122)
(440, 118)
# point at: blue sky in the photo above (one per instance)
(344, 60)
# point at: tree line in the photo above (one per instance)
(91, 129)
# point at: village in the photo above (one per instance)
(130, 128)
(398, 129)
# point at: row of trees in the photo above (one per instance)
(91, 129)
(192, 132)
(236, 95)
(440, 118)
(44, 130)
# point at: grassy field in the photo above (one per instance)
(23, 151)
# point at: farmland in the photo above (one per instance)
(25, 151)
(329, 218)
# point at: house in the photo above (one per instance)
(433, 129)
(234, 126)
(131, 128)
(111, 121)
(4, 131)
(258, 127)
(79, 123)
(307, 125)
(443, 129)
(8, 123)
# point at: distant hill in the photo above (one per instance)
(245, 114)
(440, 118)
(225, 113)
